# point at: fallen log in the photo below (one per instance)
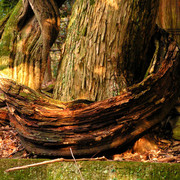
(50, 127)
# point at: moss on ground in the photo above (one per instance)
(176, 129)
(98, 170)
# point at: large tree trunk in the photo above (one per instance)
(169, 17)
(26, 39)
(50, 127)
(106, 48)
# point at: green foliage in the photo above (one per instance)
(92, 2)
(6, 6)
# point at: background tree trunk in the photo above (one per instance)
(21, 50)
(106, 48)
(169, 17)
(26, 40)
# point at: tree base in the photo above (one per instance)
(49, 127)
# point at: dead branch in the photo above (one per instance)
(76, 164)
(54, 161)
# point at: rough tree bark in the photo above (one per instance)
(169, 17)
(50, 127)
(112, 56)
(26, 37)
(106, 48)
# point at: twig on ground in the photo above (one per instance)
(33, 165)
(53, 161)
(16, 151)
(76, 164)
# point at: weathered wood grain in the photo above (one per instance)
(50, 127)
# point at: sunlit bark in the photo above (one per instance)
(106, 48)
(26, 39)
